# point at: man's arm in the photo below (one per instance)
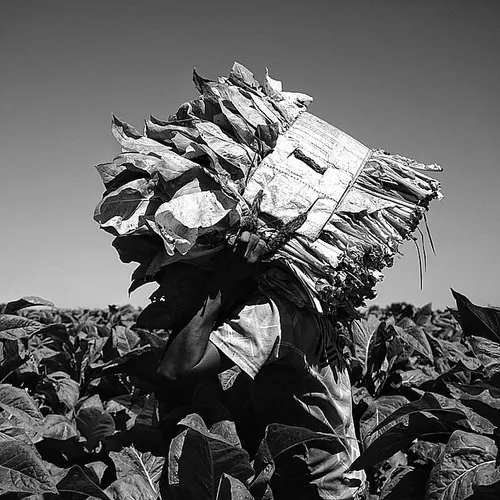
(191, 354)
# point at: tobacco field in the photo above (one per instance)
(81, 416)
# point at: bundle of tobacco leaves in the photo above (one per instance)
(249, 156)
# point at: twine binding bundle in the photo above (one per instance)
(249, 156)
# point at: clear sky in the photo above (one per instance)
(421, 78)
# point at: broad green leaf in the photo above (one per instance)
(18, 402)
(133, 487)
(455, 352)
(416, 377)
(197, 459)
(12, 357)
(487, 352)
(231, 488)
(428, 403)
(415, 337)
(141, 410)
(228, 377)
(94, 424)
(483, 392)
(76, 482)
(59, 427)
(130, 461)
(90, 402)
(28, 301)
(476, 320)
(67, 389)
(280, 438)
(22, 470)
(468, 462)
(362, 332)
(384, 349)
(398, 437)
(12, 430)
(405, 483)
(280, 441)
(478, 421)
(124, 339)
(377, 412)
(14, 327)
(423, 316)
(98, 468)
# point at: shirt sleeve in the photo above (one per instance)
(251, 336)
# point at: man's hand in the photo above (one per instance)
(249, 246)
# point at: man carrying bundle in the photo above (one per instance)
(249, 157)
(291, 364)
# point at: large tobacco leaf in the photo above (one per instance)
(14, 327)
(419, 424)
(10, 431)
(384, 350)
(22, 470)
(59, 428)
(231, 488)
(446, 410)
(468, 463)
(124, 339)
(130, 461)
(279, 444)
(377, 412)
(197, 460)
(67, 389)
(487, 352)
(132, 487)
(415, 337)
(483, 396)
(362, 331)
(28, 301)
(76, 482)
(17, 403)
(95, 425)
(476, 320)
(446, 352)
